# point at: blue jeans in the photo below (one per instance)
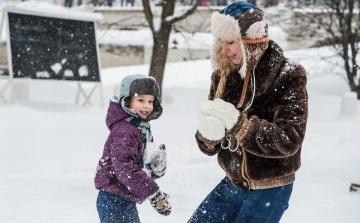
(115, 209)
(227, 203)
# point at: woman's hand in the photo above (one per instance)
(221, 110)
(211, 128)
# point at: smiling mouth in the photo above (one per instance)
(232, 57)
(144, 113)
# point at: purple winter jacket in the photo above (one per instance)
(118, 171)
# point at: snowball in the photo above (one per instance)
(152, 150)
(44, 74)
(68, 73)
(56, 67)
(83, 71)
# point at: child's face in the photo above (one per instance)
(142, 104)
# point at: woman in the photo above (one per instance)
(255, 120)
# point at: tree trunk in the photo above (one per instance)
(159, 55)
(161, 36)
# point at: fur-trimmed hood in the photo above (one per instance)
(245, 22)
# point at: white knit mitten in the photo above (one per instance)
(222, 110)
(211, 128)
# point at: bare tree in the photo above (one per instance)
(161, 19)
(344, 20)
(340, 19)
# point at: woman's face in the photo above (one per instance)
(232, 49)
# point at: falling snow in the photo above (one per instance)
(54, 164)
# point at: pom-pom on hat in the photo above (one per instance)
(243, 21)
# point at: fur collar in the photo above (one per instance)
(268, 67)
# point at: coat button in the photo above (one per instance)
(245, 184)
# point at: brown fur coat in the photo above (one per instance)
(272, 133)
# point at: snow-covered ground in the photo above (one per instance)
(49, 149)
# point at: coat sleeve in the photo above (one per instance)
(284, 134)
(207, 146)
(125, 156)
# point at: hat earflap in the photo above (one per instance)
(257, 30)
(216, 48)
(226, 27)
(243, 68)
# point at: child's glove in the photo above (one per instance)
(222, 110)
(156, 159)
(158, 165)
(159, 201)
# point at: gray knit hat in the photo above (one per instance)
(139, 84)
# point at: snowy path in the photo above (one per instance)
(49, 149)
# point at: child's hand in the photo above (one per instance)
(159, 201)
(158, 165)
(157, 161)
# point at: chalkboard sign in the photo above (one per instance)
(53, 48)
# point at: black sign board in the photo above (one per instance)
(53, 48)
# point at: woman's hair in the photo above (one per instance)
(226, 66)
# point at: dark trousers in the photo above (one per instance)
(227, 203)
(115, 209)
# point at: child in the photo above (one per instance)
(131, 161)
